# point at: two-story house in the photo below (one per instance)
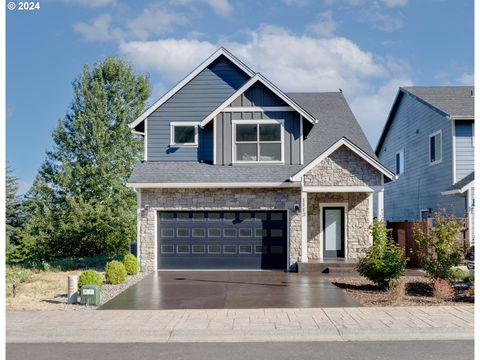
(428, 141)
(239, 174)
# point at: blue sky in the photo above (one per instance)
(368, 48)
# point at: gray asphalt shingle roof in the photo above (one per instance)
(451, 100)
(465, 181)
(335, 121)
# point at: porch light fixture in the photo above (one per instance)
(296, 208)
(146, 207)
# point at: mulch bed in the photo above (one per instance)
(418, 291)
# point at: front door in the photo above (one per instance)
(333, 232)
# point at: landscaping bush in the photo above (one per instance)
(89, 277)
(131, 264)
(384, 261)
(457, 274)
(115, 272)
(439, 249)
(443, 290)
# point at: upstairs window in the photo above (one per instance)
(258, 141)
(183, 134)
(435, 145)
(399, 162)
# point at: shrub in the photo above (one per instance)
(439, 249)
(131, 264)
(384, 261)
(443, 290)
(115, 272)
(457, 274)
(89, 277)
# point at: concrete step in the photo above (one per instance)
(330, 268)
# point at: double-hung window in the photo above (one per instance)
(435, 146)
(183, 134)
(258, 141)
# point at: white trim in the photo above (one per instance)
(370, 217)
(351, 146)
(173, 124)
(422, 210)
(401, 166)
(138, 132)
(345, 227)
(468, 117)
(139, 223)
(145, 142)
(338, 189)
(469, 216)
(304, 227)
(245, 87)
(214, 185)
(215, 140)
(257, 109)
(380, 205)
(301, 139)
(258, 142)
(155, 241)
(439, 132)
(185, 80)
(454, 153)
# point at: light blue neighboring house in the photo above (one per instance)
(428, 142)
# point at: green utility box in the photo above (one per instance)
(90, 295)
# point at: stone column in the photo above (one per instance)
(304, 212)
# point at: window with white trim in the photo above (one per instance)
(258, 141)
(399, 162)
(435, 147)
(183, 134)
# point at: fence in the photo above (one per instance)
(402, 233)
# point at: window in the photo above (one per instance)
(399, 162)
(258, 141)
(183, 134)
(435, 145)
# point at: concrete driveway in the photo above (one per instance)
(230, 290)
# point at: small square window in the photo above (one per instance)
(183, 134)
(183, 232)
(214, 232)
(261, 249)
(198, 249)
(245, 249)
(167, 216)
(276, 216)
(245, 216)
(276, 232)
(214, 216)
(245, 232)
(229, 249)
(167, 232)
(228, 216)
(214, 249)
(276, 249)
(183, 249)
(260, 233)
(229, 232)
(261, 216)
(167, 249)
(182, 216)
(198, 216)
(198, 232)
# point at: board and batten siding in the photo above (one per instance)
(202, 95)
(464, 160)
(421, 184)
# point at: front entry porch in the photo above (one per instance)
(335, 226)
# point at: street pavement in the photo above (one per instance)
(242, 325)
(382, 350)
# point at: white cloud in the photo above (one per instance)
(219, 7)
(466, 79)
(100, 29)
(91, 3)
(154, 20)
(293, 62)
(382, 21)
(325, 27)
(392, 3)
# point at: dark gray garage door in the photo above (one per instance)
(222, 240)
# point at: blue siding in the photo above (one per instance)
(258, 95)
(464, 148)
(193, 102)
(420, 186)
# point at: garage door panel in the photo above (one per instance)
(222, 239)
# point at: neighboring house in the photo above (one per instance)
(238, 174)
(428, 141)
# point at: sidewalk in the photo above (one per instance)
(250, 325)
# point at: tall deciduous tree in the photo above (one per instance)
(79, 204)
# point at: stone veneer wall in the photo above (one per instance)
(343, 167)
(357, 218)
(215, 199)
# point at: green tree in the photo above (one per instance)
(79, 204)
(439, 247)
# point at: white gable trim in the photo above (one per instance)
(245, 87)
(188, 78)
(351, 146)
(462, 190)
